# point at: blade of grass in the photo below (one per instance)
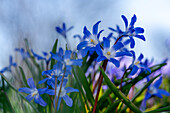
(119, 94)
(54, 51)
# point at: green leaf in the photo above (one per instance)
(160, 110)
(112, 107)
(23, 76)
(119, 94)
(54, 51)
(83, 80)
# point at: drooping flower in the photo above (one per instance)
(45, 56)
(34, 93)
(8, 68)
(23, 53)
(153, 90)
(90, 39)
(130, 30)
(108, 52)
(63, 30)
(63, 94)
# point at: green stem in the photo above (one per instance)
(55, 92)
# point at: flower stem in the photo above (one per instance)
(56, 104)
(55, 93)
(100, 83)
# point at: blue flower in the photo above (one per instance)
(63, 94)
(108, 52)
(90, 40)
(137, 64)
(23, 53)
(45, 56)
(8, 68)
(66, 59)
(34, 93)
(63, 30)
(130, 30)
(56, 71)
(154, 91)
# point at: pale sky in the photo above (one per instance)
(36, 20)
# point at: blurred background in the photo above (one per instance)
(36, 21)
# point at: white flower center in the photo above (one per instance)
(67, 61)
(63, 91)
(153, 90)
(34, 92)
(109, 53)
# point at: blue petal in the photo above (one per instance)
(30, 82)
(61, 52)
(125, 20)
(82, 44)
(95, 28)
(70, 28)
(158, 82)
(132, 44)
(29, 97)
(84, 51)
(77, 62)
(134, 70)
(68, 100)
(126, 42)
(140, 57)
(59, 30)
(115, 62)
(110, 35)
(117, 46)
(86, 32)
(147, 96)
(106, 42)
(98, 35)
(40, 101)
(101, 58)
(42, 81)
(138, 30)
(99, 50)
(64, 26)
(161, 91)
(25, 90)
(158, 95)
(50, 92)
(70, 89)
(67, 54)
(140, 37)
(118, 54)
(133, 20)
(42, 90)
(112, 29)
(56, 56)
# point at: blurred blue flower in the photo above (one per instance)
(63, 30)
(153, 91)
(66, 59)
(45, 56)
(108, 52)
(23, 53)
(8, 68)
(90, 40)
(63, 94)
(130, 30)
(137, 64)
(34, 93)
